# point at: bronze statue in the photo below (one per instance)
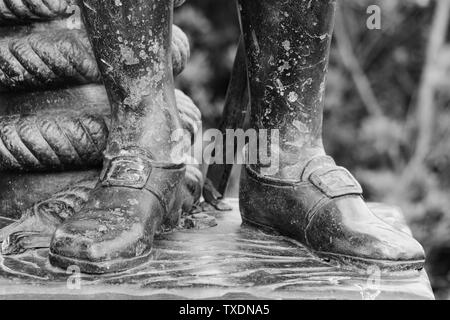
(283, 58)
(55, 119)
(311, 199)
(139, 188)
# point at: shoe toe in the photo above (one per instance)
(395, 245)
(96, 236)
(347, 228)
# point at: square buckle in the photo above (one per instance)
(125, 171)
(335, 182)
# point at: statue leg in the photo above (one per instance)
(310, 198)
(139, 187)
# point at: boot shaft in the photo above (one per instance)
(132, 44)
(288, 44)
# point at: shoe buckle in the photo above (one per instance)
(335, 182)
(126, 171)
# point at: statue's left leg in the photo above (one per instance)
(309, 198)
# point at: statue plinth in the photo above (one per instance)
(230, 261)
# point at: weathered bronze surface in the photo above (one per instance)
(80, 114)
(106, 221)
(309, 198)
(38, 221)
(55, 122)
(139, 189)
(234, 116)
(228, 261)
(16, 11)
(63, 57)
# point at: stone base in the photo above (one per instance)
(229, 261)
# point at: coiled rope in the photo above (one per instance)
(61, 141)
(38, 10)
(180, 50)
(36, 143)
(41, 60)
(59, 58)
(179, 3)
(32, 10)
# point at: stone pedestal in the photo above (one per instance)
(227, 261)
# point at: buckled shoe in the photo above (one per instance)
(324, 210)
(134, 197)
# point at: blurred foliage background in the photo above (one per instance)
(387, 115)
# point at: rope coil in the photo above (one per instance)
(39, 10)
(47, 142)
(58, 141)
(32, 10)
(43, 60)
(179, 3)
(59, 58)
(180, 50)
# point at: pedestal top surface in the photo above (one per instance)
(227, 261)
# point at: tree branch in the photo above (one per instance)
(426, 109)
(351, 63)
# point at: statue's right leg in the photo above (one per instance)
(139, 187)
(309, 197)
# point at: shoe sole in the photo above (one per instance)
(89, 267)
(341, 260)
